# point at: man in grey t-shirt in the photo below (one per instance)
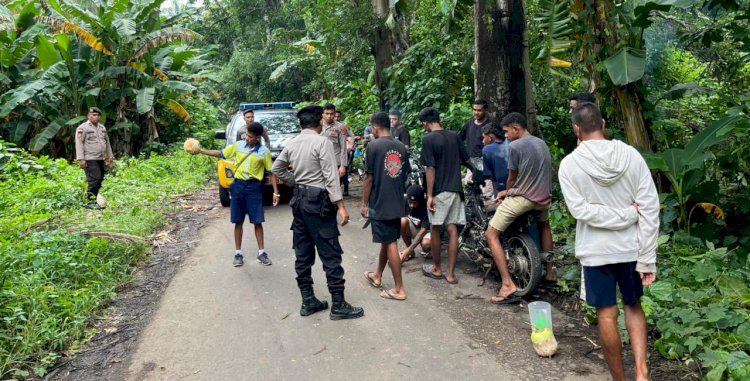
(529, 184)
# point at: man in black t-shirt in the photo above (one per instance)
(471, 135)
(386, 167)
(399, 132)
(415, 228)
(445, 206)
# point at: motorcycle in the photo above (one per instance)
(416, 175)
(521, 242)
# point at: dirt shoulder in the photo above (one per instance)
(120, 324)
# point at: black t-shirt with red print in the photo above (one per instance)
(386, 160)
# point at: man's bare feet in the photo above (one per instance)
(373, 279)
(427, 270)
(505, 293)
(393, 294)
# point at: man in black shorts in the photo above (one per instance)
(609, 190)
(386, 167)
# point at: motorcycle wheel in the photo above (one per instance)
(524, 263)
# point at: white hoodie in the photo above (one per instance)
(600, 181)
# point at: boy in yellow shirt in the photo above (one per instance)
(252, 160)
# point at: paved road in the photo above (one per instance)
(217, 322)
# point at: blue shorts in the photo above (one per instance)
(601, 281)
(247, 199)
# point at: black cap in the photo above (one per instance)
(313, 109)
(415, 193)
(95, 110)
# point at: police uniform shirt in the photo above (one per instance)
(313, 161)
(335, 132)
(92, 142)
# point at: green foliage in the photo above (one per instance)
(626, 66)
(684, 167)
(206, 120)
(53, 280)
(700, 307)
(426, 77)
(64, 57)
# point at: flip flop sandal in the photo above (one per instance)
(385, 294)
(372, 282)
(455, 280)
(510, 299)
(428, 273)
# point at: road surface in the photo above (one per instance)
(218, 322)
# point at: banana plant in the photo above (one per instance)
(685, 167)
(556, 21)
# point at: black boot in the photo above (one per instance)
(343, 310)
(311, 304)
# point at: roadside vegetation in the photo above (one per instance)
(59, 263)
(672, 78)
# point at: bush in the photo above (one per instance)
(52, 278)
(700, 306)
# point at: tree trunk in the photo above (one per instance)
(632, 116)
(383, 60)
(523, 68)
(501, 56)
(400, 38)
(153, 133)
(491, 78)
(381, 50)
(126, 144)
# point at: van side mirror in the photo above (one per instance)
(220, 135)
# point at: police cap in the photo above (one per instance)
(310, 110)
(95, 110)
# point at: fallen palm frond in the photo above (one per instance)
(110, 236)
(162, 37)
(65, 26)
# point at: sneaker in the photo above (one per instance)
(238, 260)
(264, 260)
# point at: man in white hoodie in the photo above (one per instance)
(609, 190)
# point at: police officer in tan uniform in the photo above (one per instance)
(317, 200)
(93, 153)
(336, 133)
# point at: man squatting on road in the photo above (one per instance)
(383, 203)
(609, 191)
(317, 196)
(252, 160)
